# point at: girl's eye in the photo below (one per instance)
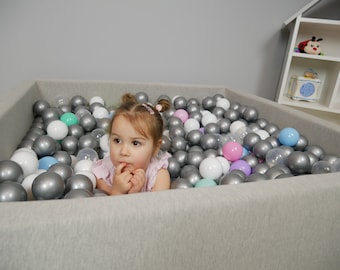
(116, 140)
(136, 143)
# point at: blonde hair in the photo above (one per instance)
(144, 117)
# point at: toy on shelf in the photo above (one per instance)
(305, 87)
(310, 46)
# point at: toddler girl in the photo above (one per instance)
(135, 163)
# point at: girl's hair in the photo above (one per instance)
(144, 117)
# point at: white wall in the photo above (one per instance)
(234, 43)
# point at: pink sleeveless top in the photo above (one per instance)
(104, 169)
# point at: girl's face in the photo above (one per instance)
(128, 146)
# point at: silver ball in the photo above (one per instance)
(251, 160)
(194, 137)
(48, 186)
(256, 177)
(63, 157)
(262, 123)
(261, 168)
(250, 114)
(224, 125)
(299, 162)
(212, 128)
(44, 145)
(78, 100)
(142, 97)
(261, 148)
(195, 158)
(232, 115)
(70, 145)
(64, 170)
(180, 102)
(39, 106)
(173, 167)
(196, 115)
(178, 143)
(209, 141)
(88, 122)
(191, 173)
(301, 144)
(180, 183)
(76, 131)
(166, 144)
(11, 171)
(316, 150)
(79, 181)
(78, 193)
(174, 122)
(12, 191)
(193, 108)
(104, 123)
(181, 156)
(49, 115)
(176, 131)
(250, 140)
(87, 141)
(208, 103)
(231, 179)
(271, 128)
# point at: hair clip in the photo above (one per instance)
(148, 108)
(158, 107)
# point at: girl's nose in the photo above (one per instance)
(124, 150)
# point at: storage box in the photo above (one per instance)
(291, 223)
(302, 88)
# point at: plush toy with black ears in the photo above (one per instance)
(311, 46)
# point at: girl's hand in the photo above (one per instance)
(138, 180)
(121, 180)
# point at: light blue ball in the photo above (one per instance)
(205, 183)
(289, 136)
(46, 162)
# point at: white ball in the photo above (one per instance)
(191, 124)
(83, 165)
(234, 126)
(224, 163)
(223, 103)
(96, 99)
(210, 168)
(27, 160)
(57, 130)
(104, 142)
(208, 118)
(262, 133)
(100, 112)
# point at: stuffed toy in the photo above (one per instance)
(311, 46)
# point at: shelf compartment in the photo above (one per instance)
(328, 73)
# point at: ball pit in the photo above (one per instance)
(209, 139)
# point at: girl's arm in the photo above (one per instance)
(101, 184)
(162, 180)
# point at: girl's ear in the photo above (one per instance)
(157, 147)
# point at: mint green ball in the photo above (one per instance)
(205, 183)
(69, 119)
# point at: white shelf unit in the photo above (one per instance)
(327, 65)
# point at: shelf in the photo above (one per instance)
(308, 105)
(316, 57)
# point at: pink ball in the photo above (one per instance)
(182, 114)
(241, 165)
(232, 151)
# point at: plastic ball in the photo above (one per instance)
(321, 166)
(100, 112)
(64, 170)
(194, 137)
(210, 168)
(78, 100)
(50, 114)
(212, 128)
(261, 168)
(69, 119)
(39, 106)
(104, 123)
(181, 157)
(234, 126)
(76, 131)
(91, 176)
(88, 122)
(142, 97)
(191, 173)
(208, 118)
(223, 103)
(70, 145)
(276, 156)
(83, 165)
(250, 140)
(44, 145)
(180, 183)
(12, 191)
(104, 143)
(46, 162)
(335, 167)
(57, 130)
(241, 165)
(251, 160)
(48, 186)
(205, 183)
(289, 136)
(224, 125)
(208, 141)
(176, 131)
(250, 114)
(224, 163)
(178, 143)
(262, 133)
(87, 153)
(98, 133)
(173, 167)
(87, 141)
(316, 150)
(11, 171)
(191, 124)
(195, 158)
(79, 181)
(208, 103)
(261, 148)
(271, 128)
(27, 184)
(299, 162)
(27, 160)
(97, 99)
(78, 193)
(179, 102)
(182, 114)
(231, 179)
(232, 151)
(255, 177)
